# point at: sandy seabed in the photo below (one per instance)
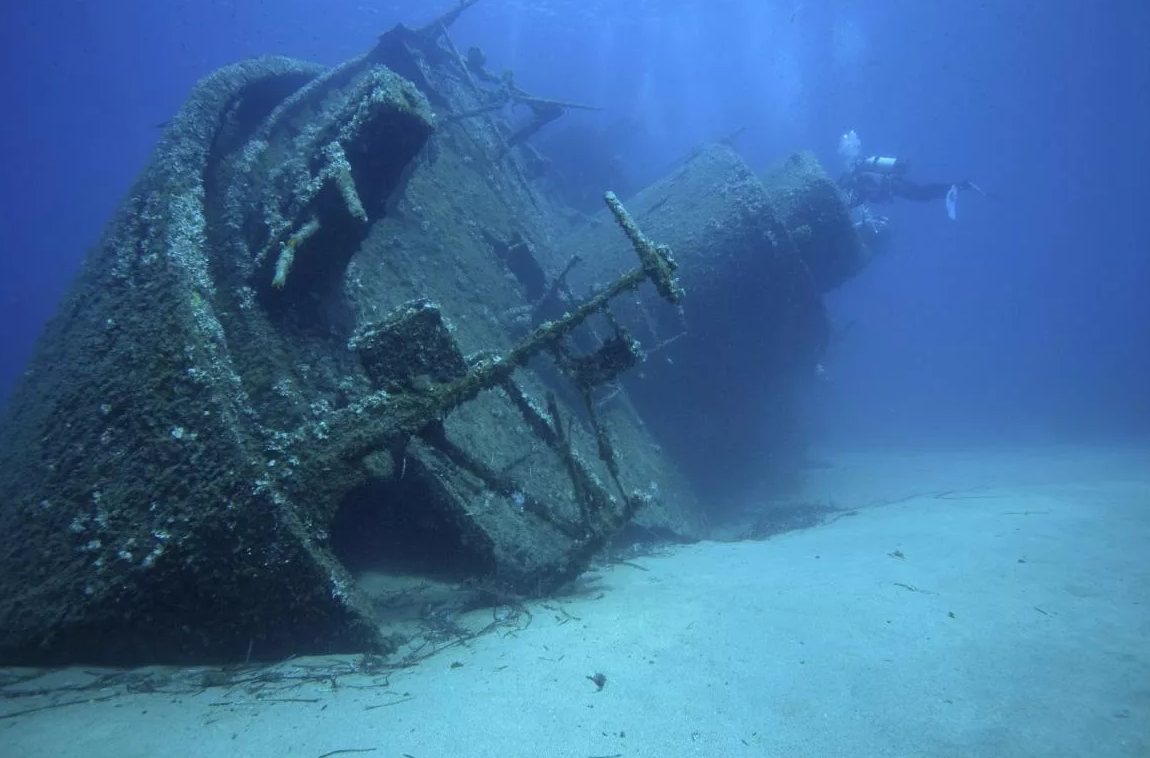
(982, 603)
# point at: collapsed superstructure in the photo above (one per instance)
(336, 326)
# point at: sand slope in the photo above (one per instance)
(985, 603)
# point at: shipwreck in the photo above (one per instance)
(340, 325)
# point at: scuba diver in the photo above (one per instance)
(877, 179)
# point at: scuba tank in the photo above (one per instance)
(880, 165)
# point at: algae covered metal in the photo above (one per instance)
(338, 327)
(756, 252)
(225, 405)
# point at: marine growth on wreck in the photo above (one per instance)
(341, 326)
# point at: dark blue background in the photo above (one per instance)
(1026, 319)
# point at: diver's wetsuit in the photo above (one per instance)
(875, 187)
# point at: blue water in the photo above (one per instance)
(1024, 321)
(1025, 318)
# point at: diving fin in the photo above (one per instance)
(952, 202)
